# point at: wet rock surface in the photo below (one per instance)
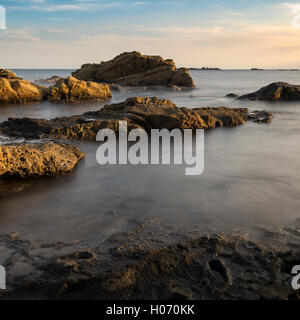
(155, 261)
(275, 91)
(146, 113)
(25, 160)
(135, 69)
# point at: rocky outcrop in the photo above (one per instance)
(27, 160)
(135, 69)
(8, 74)
(183, 264)
(73, 90)
(15, 91)
(146, 113)
(275, 91)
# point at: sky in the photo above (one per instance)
(195, 33)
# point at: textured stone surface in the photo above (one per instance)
(154, 261)
(135, 69)
(20, 91)
(27, 160)
(73, 90)
(146, 113)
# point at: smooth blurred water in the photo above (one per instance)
(251, 177)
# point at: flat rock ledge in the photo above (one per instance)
(274, 92)
(145, 113)
(26, 160)
(17, 91)
(136, 69)
(153, 261)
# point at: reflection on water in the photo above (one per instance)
(251, 177)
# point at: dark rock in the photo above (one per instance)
(145, 113)
(275, 91)
(135, 69)
(231, 95)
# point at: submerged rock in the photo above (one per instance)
(145, 113)
(231, 95)
(135, 69)
(25, 160)
(275, 91)
(73, 90)
(20, 91)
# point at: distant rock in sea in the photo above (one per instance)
(231, 95)
(136, 69)
(257, 69)
(52, 80)
(275, 91)
(206, 68)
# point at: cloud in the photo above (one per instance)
(80, 5)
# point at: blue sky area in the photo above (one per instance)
(227, 34)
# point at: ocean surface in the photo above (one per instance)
(251, 176)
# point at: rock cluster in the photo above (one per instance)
(275, 91)
(25, 160)
(145, 113)
(135, 69)
(18, 91)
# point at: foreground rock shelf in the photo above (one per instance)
(136, 69)
(25, 160)
(154, 261)
(146, 113)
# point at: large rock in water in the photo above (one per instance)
(26, 160)
(145, 113)
(135, 69)
(275, 91)
(20, 91)
(73, 90)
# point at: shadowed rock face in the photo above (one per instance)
(135, 69)
(275, 91)
(73, 90)
(145, 113)
(35, 160)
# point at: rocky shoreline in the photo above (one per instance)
(155, 261)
